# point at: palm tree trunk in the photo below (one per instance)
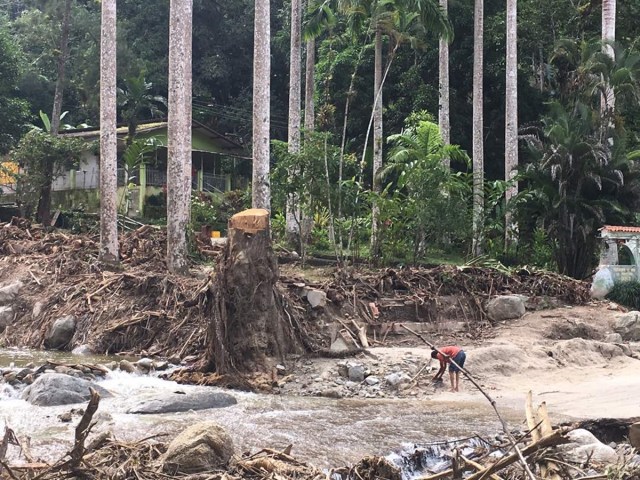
(310, 86)
(295, 67)
(62, 62)
(44, 202)
(443, 107)
(108, 140)
(377, 143)
(261, 197)
(179, 134)
(478, 141)
(608, 36)
(511, 115)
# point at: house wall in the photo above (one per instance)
(86, 177)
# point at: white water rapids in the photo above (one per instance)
(325, 432)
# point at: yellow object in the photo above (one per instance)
(215, 234)
(8, 170)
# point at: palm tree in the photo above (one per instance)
(478, 126)
(608, 37)
(443, 81)
(136, 101)
(295, 67)
(261, 195)
(511, 114)
(108, 140)
(179, 134)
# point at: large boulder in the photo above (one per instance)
(9, 292)
(585, 446)
(199, 448)
(60, 333)
(182, 402)
(60, 389)
(505, 307)
(602, 283)
(628, 326)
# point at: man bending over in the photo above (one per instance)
(448, 353)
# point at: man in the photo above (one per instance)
(447, 354)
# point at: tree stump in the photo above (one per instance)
(248, 329)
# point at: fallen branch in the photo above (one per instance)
(83, 429)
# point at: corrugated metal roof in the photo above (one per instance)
(620, 228)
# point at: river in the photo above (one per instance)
(325, 432)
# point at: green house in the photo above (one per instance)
(219, 164)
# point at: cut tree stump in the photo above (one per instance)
(249, 329)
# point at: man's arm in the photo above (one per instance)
(443, 367)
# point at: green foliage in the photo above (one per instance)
(203, 210)
(425, 203)
(42, 158)
(626, 294)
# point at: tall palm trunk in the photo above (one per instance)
(108, 140)
(179, 134)
(43, 213)
(478, 127)
(261, 197)
(511, 115)
(443, 77)
(295, 73)
(310, 86)
(377, 144)
(608, 36)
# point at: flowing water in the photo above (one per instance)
(325, 432)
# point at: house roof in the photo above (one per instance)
(620, 228)
(156, 125)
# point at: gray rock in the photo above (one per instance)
(505, 307)
(584, 445)
(60, 333)
(613, 338)
(356, 373)
(6, 316)
(82, 350)
(634, 435)
(395, 380)
(331, 393)
(127, 366)
(602, 283)
(182, 402)
(174, 360)
(60, 389)
(372, 380)
(9, 292)
(145, 364)
(201, 447)
(628, 326)
(160, 365)
(317, 298)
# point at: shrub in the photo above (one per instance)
(626, 294)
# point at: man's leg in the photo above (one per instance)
(457, 381)
(452, 378)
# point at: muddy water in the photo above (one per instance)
(326, 432)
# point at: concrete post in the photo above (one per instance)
(142, 192)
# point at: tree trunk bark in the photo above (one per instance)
(377, 144)
(478, 140)
(295, 80)
(261, 195)
(108, 140)
(511, 115)
(179, 134)
(247, 331)
(43, 213)
(608, 36)
(443, 107)
(310, 86)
